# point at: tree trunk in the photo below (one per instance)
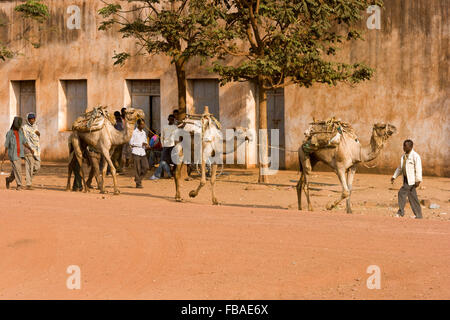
(182, 87)
(263, 147)
(181, 81)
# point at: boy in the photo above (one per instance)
(32, 160)
(138, 145)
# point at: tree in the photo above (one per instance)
(32, 10)
(176, 28)
(284, 42)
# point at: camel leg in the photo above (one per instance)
(107, 157)
(345, 193)
(213, 183)
(177, 179)
(104, 169)
(194, 193)
(95, 172)
(178, 173)
(306, 189)
(350, 175)
(98, 177)
(96, 162)
(79, 158)
(69, 173)
(299, 191)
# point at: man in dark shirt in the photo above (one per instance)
(14, 146)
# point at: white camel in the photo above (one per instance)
(211, 147)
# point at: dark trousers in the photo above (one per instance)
(410, 192)
(154, 157)
(140, 168)
(166, 155)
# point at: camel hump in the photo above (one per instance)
(326, 133)
(92, 120)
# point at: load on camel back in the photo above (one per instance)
(93, 120)
(326, 134)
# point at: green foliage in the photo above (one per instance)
(120, 58)
(290, 41)
(5, 53)
(33, 9)
(177, 28)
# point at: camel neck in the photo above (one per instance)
(372, 150)
(123, 136)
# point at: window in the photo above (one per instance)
(24, 101)
(275, 119)
(205, 92)
(145, 95)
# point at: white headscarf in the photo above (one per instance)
(32, 138)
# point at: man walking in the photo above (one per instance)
(138, 145)
(411, 169)
(32, 160)
(14, 146)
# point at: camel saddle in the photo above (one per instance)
(325, 134)
(93, 120)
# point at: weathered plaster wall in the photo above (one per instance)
(87, 54)
(410, 88)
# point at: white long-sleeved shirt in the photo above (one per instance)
(413, 168)
(137, 139)
(168, 135)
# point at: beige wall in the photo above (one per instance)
(410, 88)
(87, 54)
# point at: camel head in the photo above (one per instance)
(243, 134)
(132, 115)
(383, 130)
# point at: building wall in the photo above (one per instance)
(70, 54)
(410, 88)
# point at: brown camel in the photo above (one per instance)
(211, 141)
(103, 140)
(343, 159)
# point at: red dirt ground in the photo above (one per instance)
(143, 245)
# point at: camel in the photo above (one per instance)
(343, 159)
(103, 140)
(211, 141)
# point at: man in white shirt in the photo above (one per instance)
(411, 169)
(168, 139)
(138, 145)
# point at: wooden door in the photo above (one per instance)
(206, 93)
(145, 95)
(76, 97)
(27, 102)
(275, 120)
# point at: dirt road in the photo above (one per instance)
(143, 245)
